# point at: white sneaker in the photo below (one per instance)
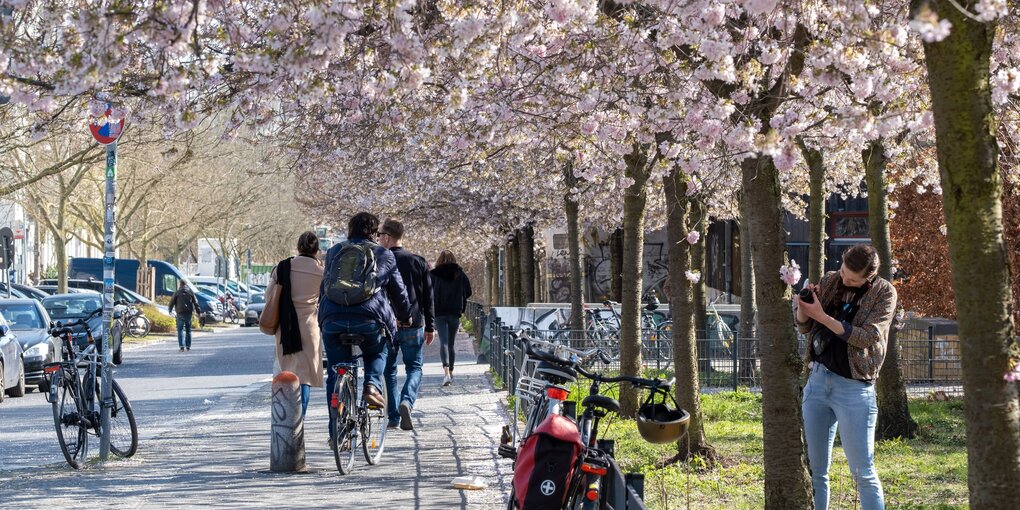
(447, 380)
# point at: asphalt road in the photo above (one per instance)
(204, 424)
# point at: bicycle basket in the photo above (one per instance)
(529, 388)
(659, 423)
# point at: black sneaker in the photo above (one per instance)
(405, 417)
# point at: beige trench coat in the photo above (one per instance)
(305, 277)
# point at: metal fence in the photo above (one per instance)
(929, 354)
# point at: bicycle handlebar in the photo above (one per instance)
(653, 384)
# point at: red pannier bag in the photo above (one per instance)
(545, 464)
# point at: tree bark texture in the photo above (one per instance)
(634, 200)
(514, 273)
(894, 418)
(816, 213)
(748, 342)
(527, 244)
(958, 76)
(699, 221)
(615, 265)
(574, 252)
(685, 352)
(787, 484)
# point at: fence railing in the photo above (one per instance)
(930, 362)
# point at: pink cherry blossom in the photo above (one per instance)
(693, 237)
(693, 276)
(790, 273)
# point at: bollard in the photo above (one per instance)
(287, 452)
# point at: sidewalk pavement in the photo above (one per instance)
(220, 458)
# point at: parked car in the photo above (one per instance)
(210, 307)
(237, 289)
(29, 321)
(30, 291)
(52, 289)
(16, 293)
(12, 363)
(120, 293)
(63, 307)
(254, 309)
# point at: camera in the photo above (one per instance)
(806, 296)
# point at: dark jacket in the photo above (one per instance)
(414, 270)
(180, 299)
(376, 308)
(451, 289)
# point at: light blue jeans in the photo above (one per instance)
(831, 400)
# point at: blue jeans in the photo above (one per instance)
(409, 341)
(446, 328)
(831, 400)
(373, 351)
(184, 330)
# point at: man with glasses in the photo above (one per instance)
(412, 336)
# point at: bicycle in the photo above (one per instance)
(74, 393)
(657, 423)
(356, 420)
(137, 324)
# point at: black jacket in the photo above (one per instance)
(418, 283)
(181, 299)
(451, 289)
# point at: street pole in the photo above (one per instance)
(106, 129)
(108, 280)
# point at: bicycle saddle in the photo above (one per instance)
(603, 402)
(556, 374)
(350, 339)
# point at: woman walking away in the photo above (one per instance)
(451, 289)
(298, 348)
(847, 322)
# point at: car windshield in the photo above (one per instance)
(258, 298)
(21, 317)
(72, 307)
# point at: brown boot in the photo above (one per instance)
(373, 397)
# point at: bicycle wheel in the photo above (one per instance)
(345, 432)
(123, 429)
(72, 432)
(139, 326)
(373, 431)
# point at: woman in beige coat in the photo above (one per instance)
(298, 346)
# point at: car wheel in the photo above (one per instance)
(19, 389)
(2, 375)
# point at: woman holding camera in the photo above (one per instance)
(846, 318)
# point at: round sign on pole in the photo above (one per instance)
(105, 129)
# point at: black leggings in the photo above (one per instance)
(447, 326)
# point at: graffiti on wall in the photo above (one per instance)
(598, 268)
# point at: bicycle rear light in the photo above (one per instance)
(341, 371)
(593, 469)
(592, 495)
(557, 393)
(50, 370)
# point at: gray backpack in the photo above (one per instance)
(352, 277)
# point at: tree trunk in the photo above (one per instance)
(513, 271)
(37, 253)
(527, 244)
(634, 199)
(616, 265)
(574, 252)
(699, 221)
(60, 253)
(893, 412)
(958, 76)
(787, 484)
(685, 352)
(748, 342)
(816, 213)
